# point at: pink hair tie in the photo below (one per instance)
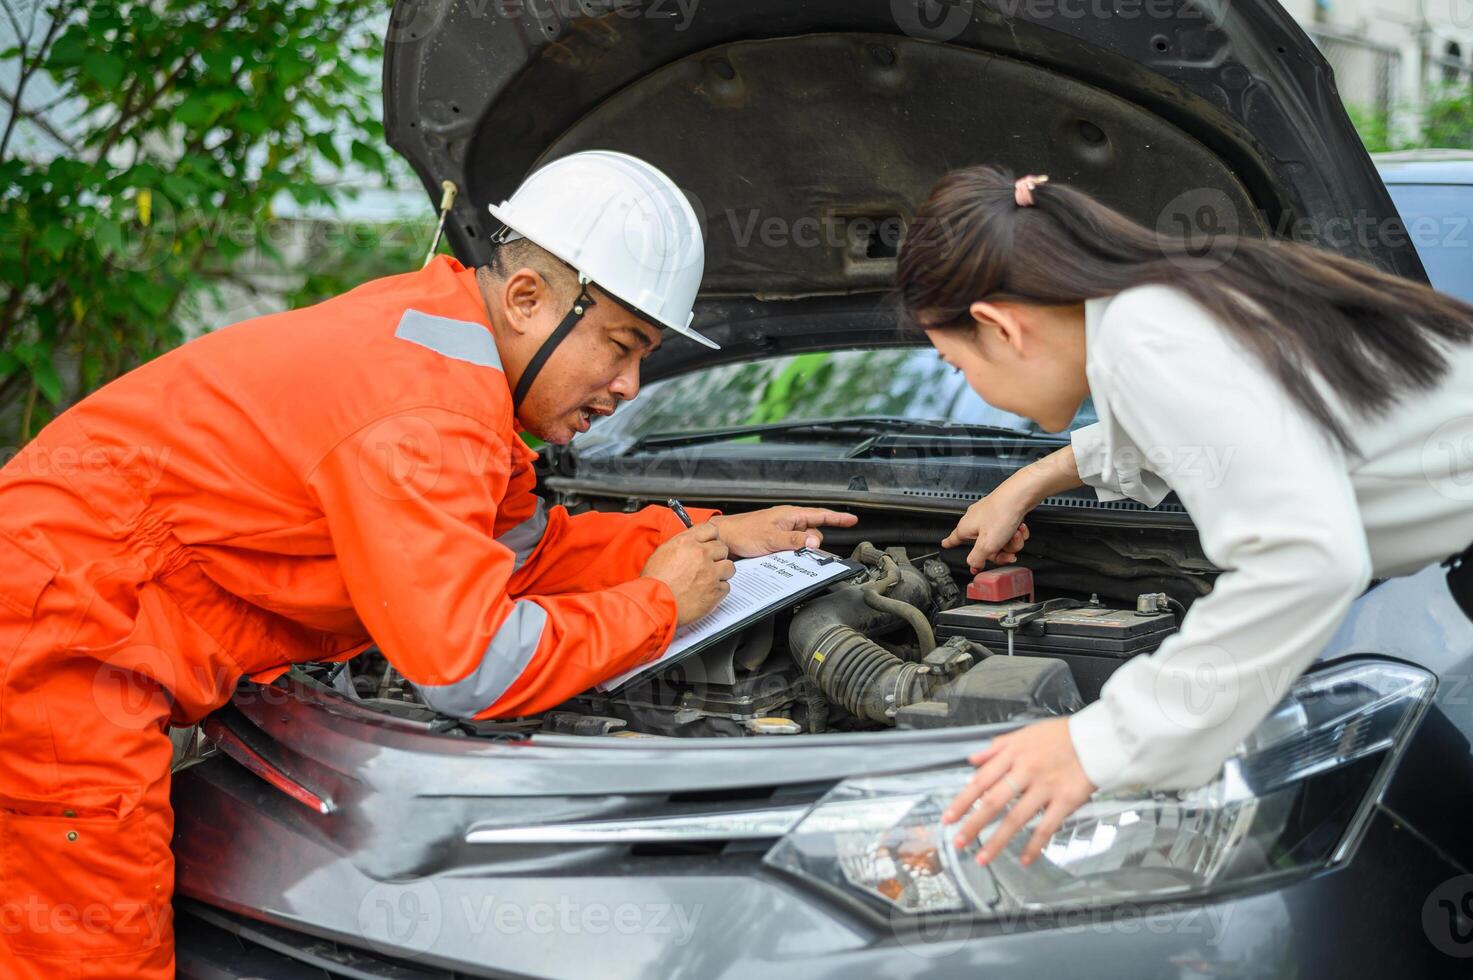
(1023, 189)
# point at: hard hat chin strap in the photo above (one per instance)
(559, 333)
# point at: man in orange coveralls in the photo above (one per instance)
(285, 489)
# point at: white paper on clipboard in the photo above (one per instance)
(759, 585)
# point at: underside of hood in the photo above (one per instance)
(806, 132)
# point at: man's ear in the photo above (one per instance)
(998, 323)
(523, 296)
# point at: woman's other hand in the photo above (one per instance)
(1035, 768)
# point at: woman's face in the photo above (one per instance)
(1028, 360)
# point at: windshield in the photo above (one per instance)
(909, 382)
(1436, 219)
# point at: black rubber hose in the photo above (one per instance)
(875, 597)
(818, 706)
(868, 680)
(829, 639)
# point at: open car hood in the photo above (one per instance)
(807, 131)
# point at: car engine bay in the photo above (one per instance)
(911, 643)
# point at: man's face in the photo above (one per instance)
(594, 368)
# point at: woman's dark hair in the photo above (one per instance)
(1371, 336)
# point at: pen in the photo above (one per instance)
(674, 505)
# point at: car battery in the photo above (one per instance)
(1092, 638)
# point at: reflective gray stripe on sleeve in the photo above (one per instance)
(526, 536)
(458, 339)
(507, 655)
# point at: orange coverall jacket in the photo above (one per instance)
(281, 490)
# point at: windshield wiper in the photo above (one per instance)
(866, 429)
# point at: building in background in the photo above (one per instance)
(1391, 56)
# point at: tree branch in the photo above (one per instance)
(27, 412)
(22, 37)
(35, 117)
(28, 67)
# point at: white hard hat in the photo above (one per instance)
(622, 224)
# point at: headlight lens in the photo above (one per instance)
(1285, 802)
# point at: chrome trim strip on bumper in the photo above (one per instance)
(731, 825)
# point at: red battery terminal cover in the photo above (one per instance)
(1001, 584)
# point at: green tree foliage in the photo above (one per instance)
(1445, 119)
(179, 123)
(1373, 127)
(1449, 118)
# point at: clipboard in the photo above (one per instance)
(699, 638)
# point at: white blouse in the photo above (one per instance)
(1298, 527)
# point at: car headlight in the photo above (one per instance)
(1291, 800)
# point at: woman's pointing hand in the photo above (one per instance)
(995, 524)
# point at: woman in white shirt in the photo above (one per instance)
(1313, 414)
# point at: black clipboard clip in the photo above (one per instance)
(822, 557)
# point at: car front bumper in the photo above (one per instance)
(1375, 916)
